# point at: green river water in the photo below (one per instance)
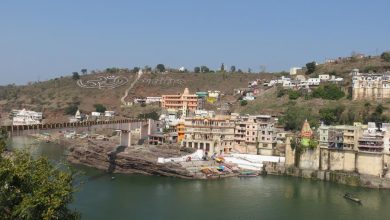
(268, 197)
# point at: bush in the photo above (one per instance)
(328, 91)
(243, 102)
(331, 115)
(386, 56)
(293, 94)
(100, 108)
(71, 110)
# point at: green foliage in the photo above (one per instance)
(100, 108)
(71, 109)
(328, 91)
(311, 67)
(386, 56)
(281, 92)
(150, 115)
(84, 71)
(75, 76)
(293, 94)
(233, 69)
(197, 69)
(3, 138)
(135, 70)
(313, 144)
(243, 102)
(34, 188)
(370, 68)
(331, 115)
(294, 143)
(294, 117)
(160, 67)
(204, 69)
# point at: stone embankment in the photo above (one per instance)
(342, 177)
(104, 155)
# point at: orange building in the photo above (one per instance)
(180, 128)
(185, 102)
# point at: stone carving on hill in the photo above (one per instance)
(162, 81)
(103, 82)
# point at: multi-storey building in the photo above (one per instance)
(375, 139)
(184, 103)
(340, 136)
(267, 137)
(213, 135)
(374, 86)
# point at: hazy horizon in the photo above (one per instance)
(43, 39)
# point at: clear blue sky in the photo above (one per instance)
(43, 39)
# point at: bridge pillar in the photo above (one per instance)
(125, 138)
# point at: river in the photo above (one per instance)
(268, 197)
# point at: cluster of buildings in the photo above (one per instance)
(300, 81)
(374, 138)
(25, 117)
(79, 117)
(252, 134)
(374, 86)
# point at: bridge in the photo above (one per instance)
(131, 130)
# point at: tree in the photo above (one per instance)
(233, 69)
(204, 69)
(151, 115)
(311, 67)
(100, 108)
(160, 67)
(292, 94)
(197, 69)
(75, 76)
(386, 56)
(84, 71)
(71, 109)
(328, 91)
(34, 188)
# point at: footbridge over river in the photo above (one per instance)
(131, 129)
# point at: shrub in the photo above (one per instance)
(293, 94)
(386, 56)
(243, 102)
(328, 91)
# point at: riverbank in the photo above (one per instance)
(341, 177)
(105, 155)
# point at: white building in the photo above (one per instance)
(313, 81)
(24, 117)
(95, 114)
(150, 100)
(214, 94)
(294, 70)
(109, 114)
(324, 77)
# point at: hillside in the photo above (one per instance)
(54, 96)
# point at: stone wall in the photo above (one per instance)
(370, 163)
(340, 160)
(310, 159)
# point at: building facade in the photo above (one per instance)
(372, 86)
(184, 102)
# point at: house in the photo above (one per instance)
(95, 114)
(109, 114)
(24, 117)
(324, 77)
(313, 81)
(150, 100)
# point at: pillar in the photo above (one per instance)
(125, 137)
